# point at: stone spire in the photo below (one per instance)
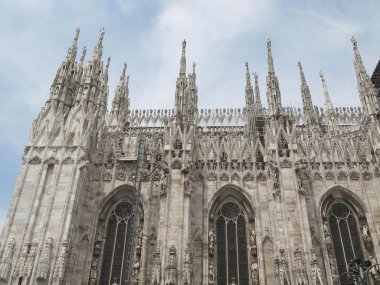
(273, 88)
(182, 69)
(258, 105)
(93, 77)
(103, 98)
(120, 103)
(249, 97)
(61, 92)
(366, 89)
(328, 104)
(306, 99)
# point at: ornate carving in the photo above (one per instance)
(176, 164)
(211, 242)
(329, 175)
(286, 163)
(121, 171)
(281, 268)
(354, 176)
(156, 272)
(7, 259)
(51, 160)
(274, 173)
(316, 275)
(255, 272)
(171, 268)
(44, 261)
(60, 265)
(301, 277)
(211, 176)
(187, 267)
(317, 176)
(224, 177)
(248, 177)
(211, 274)
(367, 238)
(367, 176)
(21, 268)
(68, 160)
(107, 176)
(35, 160)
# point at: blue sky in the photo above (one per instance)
(221, 35)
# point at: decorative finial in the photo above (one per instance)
(102, 31)
(354, 42)
(247, 66)
(127, 80)
(123, 73)
(77, 31)
(83, 55)
(108, 62)
(184, 44)
(194, 65)
(299, 65)
(269, 44)
(321, 75)
(256, 76)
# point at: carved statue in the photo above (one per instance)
(6, 261)
(60, 264)
(211, 242)
(211, 275)
(374, 270)
(252, 237)
(315, 270)
(44, 262)
(136, 269)
(365, 231)
(20, 267)
(163, 182)
(326, 230)
(94, 270)
(187, 267)
(301, 278)
(255, 272)
(281, 269)
(333, 267)
(156, 278)
(171, 269)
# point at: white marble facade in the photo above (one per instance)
(267, 184)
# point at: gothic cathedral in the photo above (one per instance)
(276, 195)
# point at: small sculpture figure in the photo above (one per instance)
(211, 242)
(252, 237)
(365, 231)
(233, 281)
(326, 230)
(136, 269)
(115, 281)
(156, 278)
(211, 275)
(254, 272)
(374, 269)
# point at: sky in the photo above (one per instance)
(221, 36)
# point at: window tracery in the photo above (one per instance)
(232, 247)
(116, 244)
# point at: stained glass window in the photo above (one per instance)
(345, 237)
(116, 244)
(232, 257)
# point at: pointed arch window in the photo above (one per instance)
(231, 239)
(116, 245)
(345, 236)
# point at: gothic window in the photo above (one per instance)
(231, 237)
(345, 236)
(116, 244)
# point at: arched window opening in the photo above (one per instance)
(116, 245)
(231, 237)
(345, 236)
